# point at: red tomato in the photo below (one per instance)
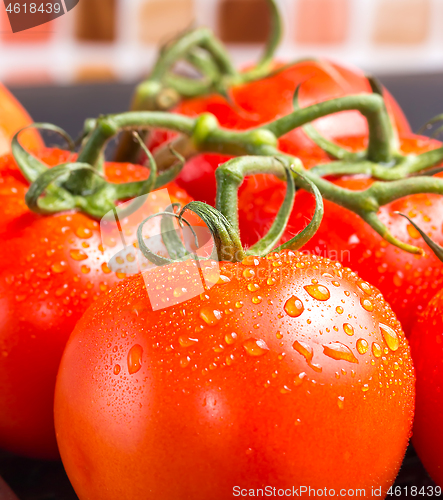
(427, 351)
(407, 281)
(12, 119)
(259, 102)
(289, 371)
(51, 269)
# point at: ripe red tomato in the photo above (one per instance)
(259, 102)
(407, 281)
(51, 269)
(12, 119)
(427, 351)
(290, 371)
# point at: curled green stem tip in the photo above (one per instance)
(437, 249)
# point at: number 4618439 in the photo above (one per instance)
(415, 491)
(34, 8)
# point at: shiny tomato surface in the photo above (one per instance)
(427, 351)
(289, 371)
(51, 269)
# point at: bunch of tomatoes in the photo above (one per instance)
(293, 369)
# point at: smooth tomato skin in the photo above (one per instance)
(51, 269)
(221, 390)
(427, 351)
(13, 118)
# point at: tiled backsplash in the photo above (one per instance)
(118, 39)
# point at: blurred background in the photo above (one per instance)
(88, 60)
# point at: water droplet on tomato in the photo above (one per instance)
(78, 254)
(341, 402)
(135, 359)
(257, 299)
(318, 292)
(362, 346)
(316, 367)
(285, 390)
(178, 292)
(85, 269)
(59, 267)
(117, 369)
(339, 309)
(253, 287)
(304, 349)
(250, 260)
(365, 388)
(185, 341)
(83, 232)
(365, 287)
(248, 273)
(413, 233)
(299, 379)
(366, 304)
(230, 359)
(184, 362)
(348, 329)
(294, 307)
(230, 338)
(391, 338)
(105, 268)
(339, 352)
(210, 316)
(376, 350)
(255, 347)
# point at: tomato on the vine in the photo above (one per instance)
(427, 351)
(51, 269)
(12, 119)
(289, 371)
(254, 103)
(407, 281)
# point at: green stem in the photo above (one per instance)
(437, 249)
(226, 237)
(265, 63)
(381, 144)
(309, 231)
(30, 166)
(230, 176)
(273, 236)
